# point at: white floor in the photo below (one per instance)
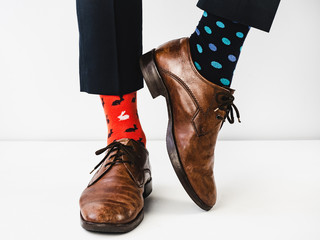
(266, 190)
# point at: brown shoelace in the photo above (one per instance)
(226, 104)
(119, 149)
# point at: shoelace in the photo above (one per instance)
(120, 150)
(226, 103)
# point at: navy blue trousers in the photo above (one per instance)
(111, 38)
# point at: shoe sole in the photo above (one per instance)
(157, 87)
(117, 228)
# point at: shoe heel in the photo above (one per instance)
(151, 75)
(147, 189)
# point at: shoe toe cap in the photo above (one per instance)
(108, 213)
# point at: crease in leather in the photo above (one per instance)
(184, 85)
(200, 112)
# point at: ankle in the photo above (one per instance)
(122, 117)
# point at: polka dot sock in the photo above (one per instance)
(215, 48)
(122, 117)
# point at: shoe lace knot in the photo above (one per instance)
(225, 103)
(119, 150)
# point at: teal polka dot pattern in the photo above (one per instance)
(232, 58)
(239, 35)
(213, 47)
(197, 66)
(208, 30)
(197, 32)
(200, 49)
(225, 81)
(220, 24)
(226, 41)
(216, 65)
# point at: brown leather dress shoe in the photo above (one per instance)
(114, 198)
(197, 109)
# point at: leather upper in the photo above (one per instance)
(115, 193)
(198, 113)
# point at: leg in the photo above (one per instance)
(258, 13)
(199, 103)
(122, 117)
(109, 62)
(215, 47)
(110, 47)
(217, 42)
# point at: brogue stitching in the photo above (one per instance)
(194, 124)
(189, 91)
(185, 86)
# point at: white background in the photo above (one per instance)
(276, 81)
(266, 189)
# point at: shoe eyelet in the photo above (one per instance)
(219, 117)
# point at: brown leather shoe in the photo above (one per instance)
(114, 198)
(197, 109)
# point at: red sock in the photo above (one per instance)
(122, 117)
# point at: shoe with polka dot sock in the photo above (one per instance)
(122, 117)
(215, 48)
